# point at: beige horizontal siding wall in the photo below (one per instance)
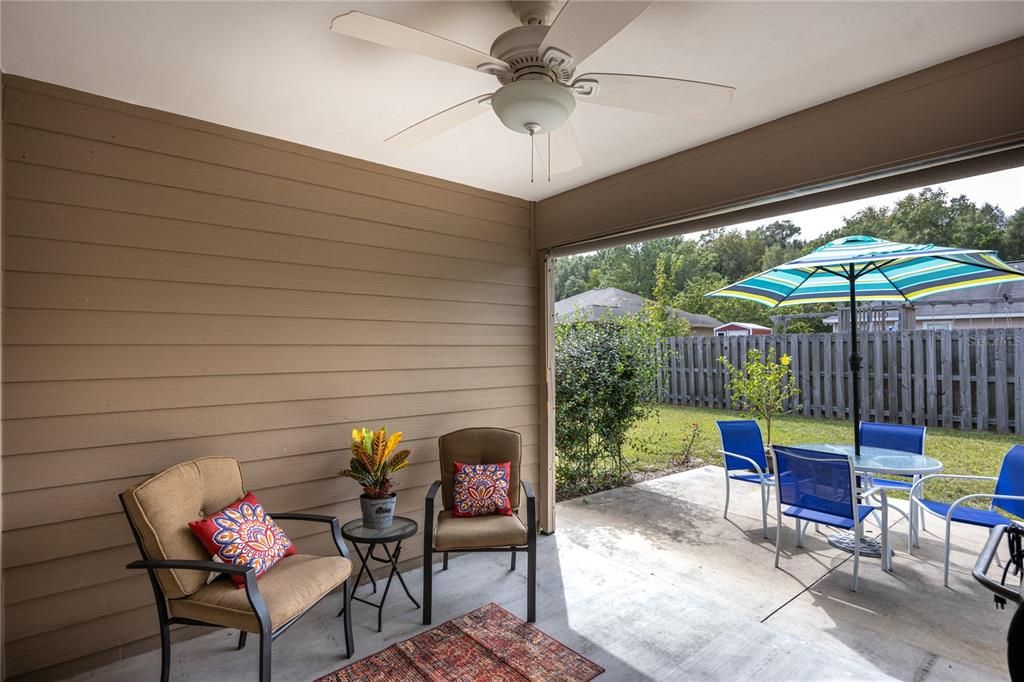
(175, 289)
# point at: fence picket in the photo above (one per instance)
(1018, 380)
(964, 359)
(1000, 398)
(917, 354)
(932, 378)
(879, 375)
(946, 387)
(892, 377)
(906, 381)
(981, 379)
(841, 365)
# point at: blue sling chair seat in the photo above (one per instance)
(743, 457)
(821, 487)
(1008, 496)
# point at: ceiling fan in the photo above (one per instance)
(535, 63)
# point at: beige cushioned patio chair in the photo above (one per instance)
(481, 533)
(159, 510)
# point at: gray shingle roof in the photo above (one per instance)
(596, 303)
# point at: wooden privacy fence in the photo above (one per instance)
(970, 379)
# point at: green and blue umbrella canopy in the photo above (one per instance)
(882, 270)
(870, 269)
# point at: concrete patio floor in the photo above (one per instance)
(652, 583)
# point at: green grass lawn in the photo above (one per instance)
(659, 439)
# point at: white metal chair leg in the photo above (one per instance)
(801, 528)
(725, 514)
(765, 496)
(778, 540)
(858, 533)
(886, 550)
(945, 562)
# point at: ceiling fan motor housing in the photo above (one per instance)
(520, 49)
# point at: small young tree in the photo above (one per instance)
(762, 386)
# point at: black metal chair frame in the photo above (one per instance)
(252, 593)
(530, 548)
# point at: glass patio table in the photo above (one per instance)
(875, 461)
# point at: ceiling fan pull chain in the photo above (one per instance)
(531, 154)
(549, 157)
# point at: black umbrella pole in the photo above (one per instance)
(854, 365)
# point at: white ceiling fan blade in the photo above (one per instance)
(399, 37)
(565, 150)
(441, 122)
(583, 27)
(654, 94)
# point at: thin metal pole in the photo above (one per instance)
(531, 155)
(854, 361)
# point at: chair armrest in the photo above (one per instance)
(252, 588)
(753, 464)
(191, 565)
(875, 490)
(297, 516)
(919, 485)
(531, 511)
(339, 542)
(528, 490)
(428, 520)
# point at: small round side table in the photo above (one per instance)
(354, 531)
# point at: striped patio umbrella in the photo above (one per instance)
(870, 269)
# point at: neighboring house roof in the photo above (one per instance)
(1005, 299)
(745, 325)
(596, 303)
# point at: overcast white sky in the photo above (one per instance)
(1004, 189)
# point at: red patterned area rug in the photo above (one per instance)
(487, 644)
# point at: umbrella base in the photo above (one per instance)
(844, 540)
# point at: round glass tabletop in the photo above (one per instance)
(882, 460)
(400, 529)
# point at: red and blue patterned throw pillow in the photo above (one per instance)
(482, 489)
(243, 534)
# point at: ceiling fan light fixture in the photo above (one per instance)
(533, 106)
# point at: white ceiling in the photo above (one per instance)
(276, 69)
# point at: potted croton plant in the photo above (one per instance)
(374, 460)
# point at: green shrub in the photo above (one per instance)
(605, 381)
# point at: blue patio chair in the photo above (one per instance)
(821, 487)
(1008, 496)
(902, 437)
(743, 455)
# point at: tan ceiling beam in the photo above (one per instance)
(970, 103)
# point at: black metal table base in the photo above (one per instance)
(389, 558)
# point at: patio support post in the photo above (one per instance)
(854, 361)
(546, 326)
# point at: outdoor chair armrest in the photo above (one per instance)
(191, 565)
(875, 490)
(531, 509)
(919, 485)
(755, 465)
(527, 490)
(428, 519)
(248, 573)
(974, 496)
(339, 542)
